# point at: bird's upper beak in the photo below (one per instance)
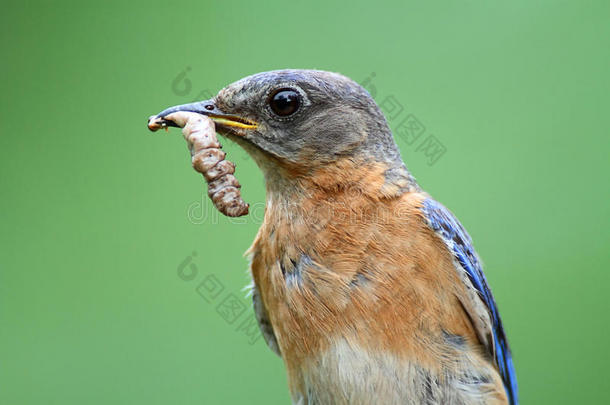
(206, 107)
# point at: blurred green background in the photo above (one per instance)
(95, 209)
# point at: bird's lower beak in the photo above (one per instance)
(208, 108)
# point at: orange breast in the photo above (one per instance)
(343, 263)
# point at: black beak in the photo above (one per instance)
(206, 107)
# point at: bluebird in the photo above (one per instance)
(369, 290)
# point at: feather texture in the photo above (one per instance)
(444, 223)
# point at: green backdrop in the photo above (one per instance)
(115, 272)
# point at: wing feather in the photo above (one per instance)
(262, 317)
(444, 223)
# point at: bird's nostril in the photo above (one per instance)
(209, 107)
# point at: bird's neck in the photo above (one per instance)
(358, 177)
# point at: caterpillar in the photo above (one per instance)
(208, 159)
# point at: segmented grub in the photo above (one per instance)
(208, 159)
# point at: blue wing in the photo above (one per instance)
(459, 242)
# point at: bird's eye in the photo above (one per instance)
(285, 102)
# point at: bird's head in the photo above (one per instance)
(297, 122)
